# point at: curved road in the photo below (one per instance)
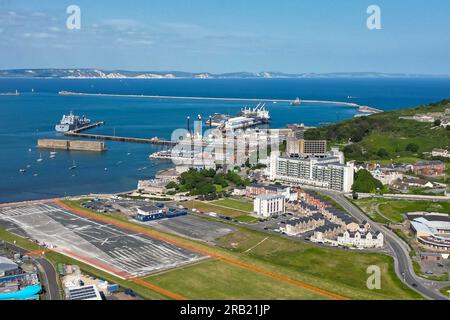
(403, 264)
(49, 278)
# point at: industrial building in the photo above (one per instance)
(156, 212)
(432, 230)
(268, 205)
(8, 267)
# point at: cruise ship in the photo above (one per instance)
(71, 122)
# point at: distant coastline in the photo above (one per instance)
(126, 74)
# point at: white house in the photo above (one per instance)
(361, 240)
(440, 153)
(266, 205)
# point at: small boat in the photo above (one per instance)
(52, 156)
(73, 166)
(40, 158)
(129, 154)
(35, 175)
(28, 166)
(106, 169)
(22, 170)
(29, 149)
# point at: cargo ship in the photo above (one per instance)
(71, 122)
(247, 117)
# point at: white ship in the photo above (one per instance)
(71, 122)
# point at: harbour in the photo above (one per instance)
(32, 116)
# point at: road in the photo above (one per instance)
(404, 197)
(400, 250)
(49, 278)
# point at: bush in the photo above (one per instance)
(412, 147)
(382, 153)
(172, 185)
(365, 182)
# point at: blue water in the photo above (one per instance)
(30, 116)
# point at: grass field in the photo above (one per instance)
(235, 204)
(236, 209)
(445, 291)
(386, 210)
(347, 270)
(340, 272)
(219, 280)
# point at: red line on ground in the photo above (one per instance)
(205, 252)
(36, 252)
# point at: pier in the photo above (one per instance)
(89, 126)
(78, 133)
(154, 141)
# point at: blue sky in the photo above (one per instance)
(228, 35)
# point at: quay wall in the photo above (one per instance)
(72, 145)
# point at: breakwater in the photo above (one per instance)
(337, 103)
(97, 146)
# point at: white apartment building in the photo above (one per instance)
(327, 172)
(267, 205)
(361, 240)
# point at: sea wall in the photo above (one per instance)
(72, 145)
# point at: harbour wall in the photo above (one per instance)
(78, 145)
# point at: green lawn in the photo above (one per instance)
(387, 210)
(232, 208)
(235, 204)
(342, 272)
(445, 291)
(220, 280)
(236, 209)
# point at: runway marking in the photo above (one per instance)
(202, 251)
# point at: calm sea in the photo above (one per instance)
(33, 115)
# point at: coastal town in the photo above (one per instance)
(211, 159)
(278, 182)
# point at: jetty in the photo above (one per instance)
(71, 145)
(79, 134)
(337, 103)
(154, 141)
(16, 93)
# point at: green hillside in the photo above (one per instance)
(385, 136)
